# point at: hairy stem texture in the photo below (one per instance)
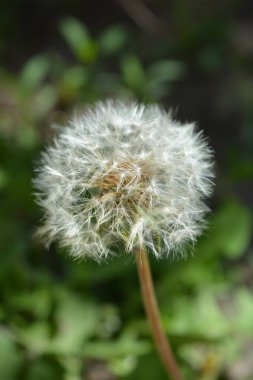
(153, 314)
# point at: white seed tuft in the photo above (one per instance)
(124, 174)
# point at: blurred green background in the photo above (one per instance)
(66, 320)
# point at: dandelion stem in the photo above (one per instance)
(153, 314)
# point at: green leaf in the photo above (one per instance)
(44, 100)
(37, 302)
(243, 313)
(10, 357)
(73, 367)
(161, 74)
(75, 77)
(229, 231)
(166, 70)
(133, 72)
(113, 39)
(74, 32)
(35, 337)
(204, 318)
(123, 366)
(126, 345)
(232, 229)
(148, 367)
(44, 369)
(27, 136)
(79, 40)
(76, 321)
(35, 71)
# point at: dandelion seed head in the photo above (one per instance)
(124, 174)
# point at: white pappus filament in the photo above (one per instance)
(124, 174)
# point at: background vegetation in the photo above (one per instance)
(66, 320)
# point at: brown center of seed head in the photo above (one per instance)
(127, 183)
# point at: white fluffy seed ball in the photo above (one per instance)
(124, 175)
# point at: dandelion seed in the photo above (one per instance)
(127, 175)
(124, 174)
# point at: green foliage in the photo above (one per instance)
(58, 318)
(10, 357)
(79, 40)
(35, 71)
(133, 72)
(231, 232)
(112, 40)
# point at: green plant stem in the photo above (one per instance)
(153, 315)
